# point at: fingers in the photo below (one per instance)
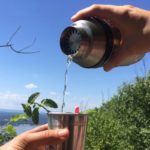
(39, 137)
(102, 11)
(49, 136)
(111, 63)
(121, 57)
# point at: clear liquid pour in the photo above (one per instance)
(69, 60)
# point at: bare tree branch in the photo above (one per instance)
(28, 46)
(11, 46)
(13, 35)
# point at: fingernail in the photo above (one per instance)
(106, 68)
(63, 132)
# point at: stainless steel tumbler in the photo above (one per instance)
(91, 42)
(76, 123)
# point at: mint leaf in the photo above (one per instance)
(10, 130)
(19, 117)
(27, 109)
(35, 115)
(49, 103)
(33, 97)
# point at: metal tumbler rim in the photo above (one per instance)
(66, 113)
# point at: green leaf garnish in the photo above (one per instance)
(27, 109)
(35, 115)
(33, 97)
(19, 117)
(49, 103)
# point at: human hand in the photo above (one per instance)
(36, 139)
(134, 25)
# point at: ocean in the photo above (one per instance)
(20, 126)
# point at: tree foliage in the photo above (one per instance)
(9, 131)
(123, 123)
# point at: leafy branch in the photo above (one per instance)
(31, 108)
(9, 131)
(20, 51)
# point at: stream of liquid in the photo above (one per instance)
(69, 60)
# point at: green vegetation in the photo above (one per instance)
(123, 123)
(9, 132)
(31, 110)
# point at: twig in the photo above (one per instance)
(12, 36)
(11, 46)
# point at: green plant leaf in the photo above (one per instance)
(27, 109)
(49, 103)
(34, 105)
(19, 117)
(7, 133)
(35, 115)
(33, 97)
(10, 129)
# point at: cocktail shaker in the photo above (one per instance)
(76, 123)
(91, 42)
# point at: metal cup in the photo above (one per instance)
(76, 123)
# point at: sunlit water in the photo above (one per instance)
(24, 127)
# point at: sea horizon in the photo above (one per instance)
(20, 126)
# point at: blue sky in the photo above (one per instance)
(21, 75)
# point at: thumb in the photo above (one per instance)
(49, 136)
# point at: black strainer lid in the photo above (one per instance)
(70, 40)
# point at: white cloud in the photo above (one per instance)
(53, 93)
(9, 95)
(30, 86)
(11, 100)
